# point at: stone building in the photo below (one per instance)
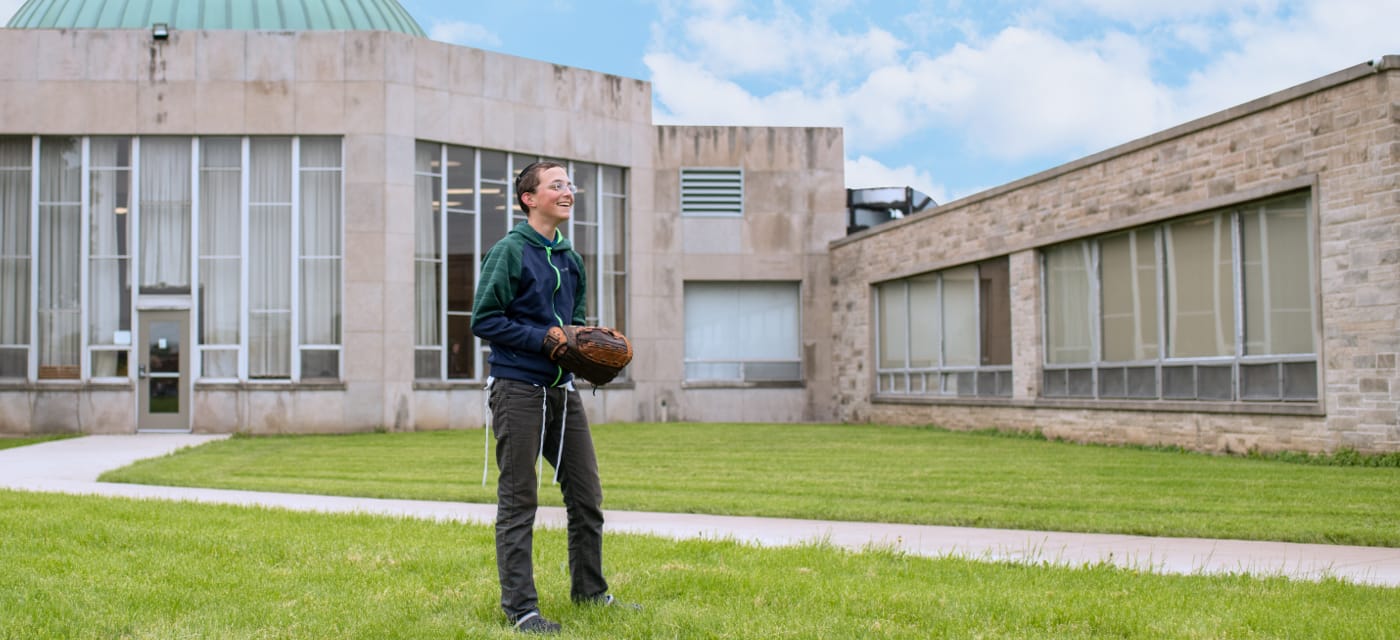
(269, 217)
(1229, 284)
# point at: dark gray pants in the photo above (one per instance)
(516, 411)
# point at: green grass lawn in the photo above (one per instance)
(10, 443)
(847, 472)
(85, 567)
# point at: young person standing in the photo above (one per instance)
(530, 281)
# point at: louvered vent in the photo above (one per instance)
(712, 192)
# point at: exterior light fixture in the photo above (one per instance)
(160, 31)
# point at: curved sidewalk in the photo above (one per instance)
(73, 465)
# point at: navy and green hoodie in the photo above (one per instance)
(528, 284)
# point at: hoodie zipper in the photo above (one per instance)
(558, 282)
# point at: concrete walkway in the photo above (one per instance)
(72, 466)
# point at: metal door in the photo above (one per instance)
(162, 372)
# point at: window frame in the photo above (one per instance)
(742, 365)
(983, 381)
(1087, 380)
(599, 310)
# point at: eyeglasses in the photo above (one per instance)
(560, 185)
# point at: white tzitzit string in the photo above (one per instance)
(544, 421)
(486, 442)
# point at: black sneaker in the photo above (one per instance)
(533, 622)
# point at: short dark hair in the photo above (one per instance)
(529, 179)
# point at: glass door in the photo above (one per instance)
(162, 384)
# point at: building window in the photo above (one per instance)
(109, 280)
(945, 333)
(264, 216)
(464, 204)
(712, 192)
(1214, 306)
(16, 179)
(743, 332)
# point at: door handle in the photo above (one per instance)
(141, 371)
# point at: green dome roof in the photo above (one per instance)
(247, 15)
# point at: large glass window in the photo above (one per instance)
(16, 158)
(220, 255)
(60, 256)
(319, 257)
(113, 217)
(743, 332)
(1155, 312)
(109, 279)
(946, 332)
(463, 205)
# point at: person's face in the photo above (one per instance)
(554, 197)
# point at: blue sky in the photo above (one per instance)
(950, 97)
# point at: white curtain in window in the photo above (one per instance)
(165, 212)
(733, 323)
(108, 217)
(14, 243)
(1128, 286)
(270, 258)
(960, 341)
(925, 322)
(893, 299)
(1278, 278)
(108, 284)
(320, 241)
(60, 221)
(1200, 287)
(426, 246)
(220, 245)
(1067, 307)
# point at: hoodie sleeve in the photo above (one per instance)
(500, 277)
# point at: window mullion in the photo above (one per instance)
(440, 267)
(85, 253)
(295, 215)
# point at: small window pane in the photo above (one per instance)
(1259, 381)
(13, 363)
(1054, 384)
(1081, 383)
(1215, 383)
(318, 364)
(1112, 383)
(1179, 383)
(109, 364)
(1300, 381)
(1142, 382)
(426, 364)
(772, 371)
(220, 364)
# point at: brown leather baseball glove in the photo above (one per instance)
(596, 354)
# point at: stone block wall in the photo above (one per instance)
(1337, 136)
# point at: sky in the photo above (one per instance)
(949, 97)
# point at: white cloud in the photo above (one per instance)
(1272, 54)
(463, 33)
(1061, 80)
(690, 94)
